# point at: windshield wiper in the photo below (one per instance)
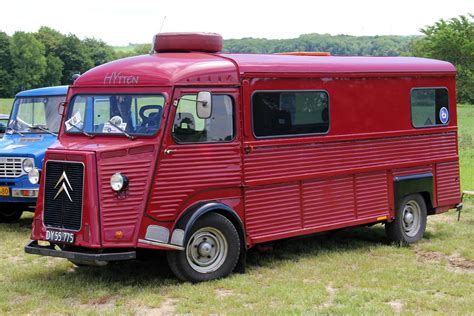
(13, 128)
(120, 129)
(44, 129)
(82, 130)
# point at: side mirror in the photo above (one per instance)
(204, 105)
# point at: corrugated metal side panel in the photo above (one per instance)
(328, 201)
(191, 169)
(272, 209)
(121, 212)
(266, 163)
(372, 194)
(447, 183)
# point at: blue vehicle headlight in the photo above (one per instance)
(34, 176)
(28, 164)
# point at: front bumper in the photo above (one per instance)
(21, 190)
(34, 248)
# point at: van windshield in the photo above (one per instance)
(36, 115)
(115, 114)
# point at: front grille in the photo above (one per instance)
(10, 167)
(63, 194)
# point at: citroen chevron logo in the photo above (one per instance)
(64, 186)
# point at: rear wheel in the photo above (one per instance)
(410, 220)
(211, 251)
(10, 213)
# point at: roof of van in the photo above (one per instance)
(42, 92)
(273, 63)
(199, 68)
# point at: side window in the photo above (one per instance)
(189, 128)
(429, 107)
(290, 113)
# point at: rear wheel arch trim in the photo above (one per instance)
(421, 183)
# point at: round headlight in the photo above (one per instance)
(118, 182)
(34, 176)
(28, 164)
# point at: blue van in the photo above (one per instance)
(33, 126)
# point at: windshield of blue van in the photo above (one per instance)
(36, 115)
(115, 114)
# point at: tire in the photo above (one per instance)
(211, 251)
(410, 221)
(10, 214)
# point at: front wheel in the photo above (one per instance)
(10, 214)
(211, 251)
(410, 220)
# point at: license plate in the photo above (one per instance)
(58, 236)
(4, 191)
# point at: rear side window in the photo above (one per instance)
(290, 113)
(189, 128)
(429, 107)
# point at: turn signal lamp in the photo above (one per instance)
(119, 234)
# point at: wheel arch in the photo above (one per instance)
(422, 184)
(195, 212)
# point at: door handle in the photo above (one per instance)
(169, 151)
(248, 149)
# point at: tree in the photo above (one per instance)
(142, 49)
(6, 77)
(453, 41)
(74, 55)
(51, 39)
(99, 52)
(28, 60)
(54, 71)
(336, 45)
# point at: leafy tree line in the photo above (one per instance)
(336, 45)
(48, 57)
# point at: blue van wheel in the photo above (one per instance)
(10, 214)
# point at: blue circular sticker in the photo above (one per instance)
(444, 115)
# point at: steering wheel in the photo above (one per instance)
(153, 118)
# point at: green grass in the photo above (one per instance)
(5, 106)
(352, 271)
(466, 145)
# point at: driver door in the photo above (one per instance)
(200, 159)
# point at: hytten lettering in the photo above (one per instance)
(118, 78)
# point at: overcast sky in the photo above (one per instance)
(119, 22)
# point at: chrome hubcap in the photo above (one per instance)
(408, 218)
(411, 218)
(206, 250)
